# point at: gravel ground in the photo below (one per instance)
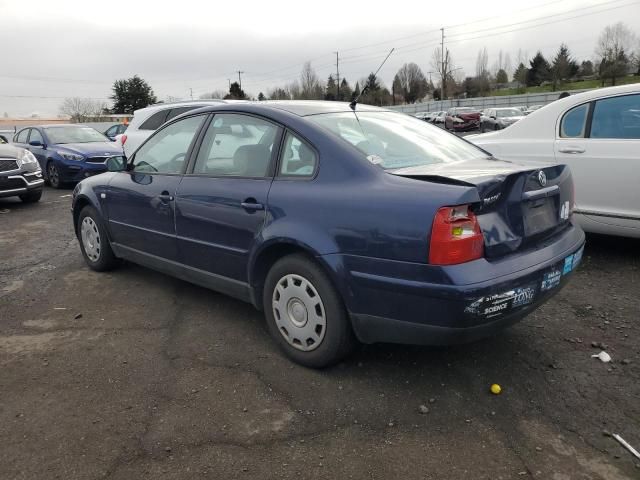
(133, 374)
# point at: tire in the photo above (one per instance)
(94, 242)
(53, 175)
(31, 197)
(294, 287)
(497, 127)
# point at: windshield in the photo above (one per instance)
(509, 112)
(394, 140)
(72, 134)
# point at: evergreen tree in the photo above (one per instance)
(502, 77)
(331, 90)
(235, 92)
(345, 91)
(539, 70)
(131, 94)
(564, 67)
(261, 97)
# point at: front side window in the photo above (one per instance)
(22, 136)
(617, 117)
(35, 136)
(298, 159)
(393, 140)
(73, 134)
(574, 122)
(236, 145)
(112, 131)
(166, 151)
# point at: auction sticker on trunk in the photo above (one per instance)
(551, 279)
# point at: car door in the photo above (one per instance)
(141, 201)
(222, 200)
(600, 141)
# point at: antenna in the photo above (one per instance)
(354, 102)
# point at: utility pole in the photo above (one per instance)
(338, 76)
(442, 71)
(239, 79)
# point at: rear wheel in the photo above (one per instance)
(94, 242)
(305, 315)
(53, 175)
(31, 197)
(497, 127)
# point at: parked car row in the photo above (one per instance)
(462, 119)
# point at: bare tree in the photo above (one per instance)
(412, 82)
(82, 109)
(482, 64)
(444, 66)
(310, 86)
(615, 44)
(215, 94)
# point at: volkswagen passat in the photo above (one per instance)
(339, 224)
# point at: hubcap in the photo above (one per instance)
(53, 174)
(90, 238)
(299, 312)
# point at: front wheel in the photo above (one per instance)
(305, 315)
(53, 175)
(94, 243)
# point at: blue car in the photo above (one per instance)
(67, 153)
(340, 224)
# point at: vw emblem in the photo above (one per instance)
(542, 178)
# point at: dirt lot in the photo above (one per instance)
(133, 374)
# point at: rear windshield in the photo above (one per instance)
(71, 134)
(464, 110)
(394, 140)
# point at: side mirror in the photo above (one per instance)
(116, 163)
(36, 143)
(493, 116)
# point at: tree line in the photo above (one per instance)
(617, 54)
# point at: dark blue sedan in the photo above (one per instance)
(67, 153)
(341, 225)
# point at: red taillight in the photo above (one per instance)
(123, 139)
(455, 236)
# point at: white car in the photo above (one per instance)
(147, 120)
(596, 133)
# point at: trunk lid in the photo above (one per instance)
(518, 205)
(467, 117)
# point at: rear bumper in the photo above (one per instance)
(402, 302)
(20, 183)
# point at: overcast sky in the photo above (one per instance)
(54, 49)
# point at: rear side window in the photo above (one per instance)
(174, 112)
(574, 122)
(237, 145)
(617, 117)
(22, 136)
(155, 120)
(298, 159)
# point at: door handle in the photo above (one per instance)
(165, 197)
(571, 150)
(251, 204)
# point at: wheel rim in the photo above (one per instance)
(299, 312)
(53, 175)
(90, 238)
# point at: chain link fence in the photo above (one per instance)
(480, 103)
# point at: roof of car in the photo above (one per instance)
(306, 107)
